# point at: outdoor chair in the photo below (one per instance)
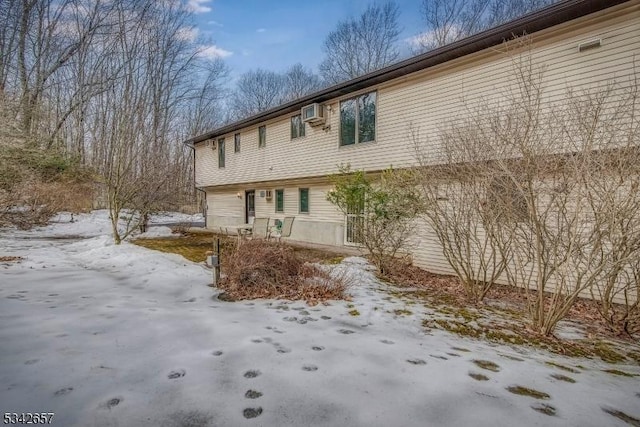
(285, 230)
(260, 228)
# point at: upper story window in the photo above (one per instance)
(297, 126)
(304, 200)
(262, 136)
(236, 143)
(221, 153)
(358, 119)
(280, 200)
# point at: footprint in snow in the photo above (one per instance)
(31, 361)
(487, 364)
(252, 394)
(435, 356)
(113, 402)
(387, 342)
(252, 412)
(325, 317)
(346, 331)
(63, 391)
(478, 377)
(317, 348)
(252, 373)
(256, 340)
(564, 378)
(217, 353)
(309, 368)
(544, 409)
(176, 374)
(508, 356)
(417, 361)
(621, 416)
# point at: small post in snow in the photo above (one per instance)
(215, 262)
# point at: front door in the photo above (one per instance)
(250, 206)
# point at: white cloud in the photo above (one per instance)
(261, 30)
(199, 6)
(212, 51)
(215, 23)
(430, 38)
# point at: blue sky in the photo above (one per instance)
(276, 34)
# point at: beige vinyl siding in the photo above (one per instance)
(426, 101)
(225, 208)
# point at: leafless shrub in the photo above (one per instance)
(260, 269)
(543, 193)
(458, 211)
(32, 202)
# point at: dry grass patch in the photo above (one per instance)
(10, 258)
(192, 246)
(260, 269)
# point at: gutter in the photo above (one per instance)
(553, 15)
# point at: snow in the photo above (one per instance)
(107, 335)
(154, 232)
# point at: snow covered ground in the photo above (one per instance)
(107, 335)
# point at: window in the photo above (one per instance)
(297, 127)
(304, 200)
(262, 136)
(506, 200)
(221, 153)
(358, 119)
(236, 143)
(280, 200)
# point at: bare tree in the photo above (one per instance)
(449, 20)
(361, 45)
(41, 39)
(139, 154)
(299, 82)
(256, 91)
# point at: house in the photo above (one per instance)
(277, 163)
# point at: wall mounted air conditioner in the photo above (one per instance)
(313, 114)
(268, 195)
